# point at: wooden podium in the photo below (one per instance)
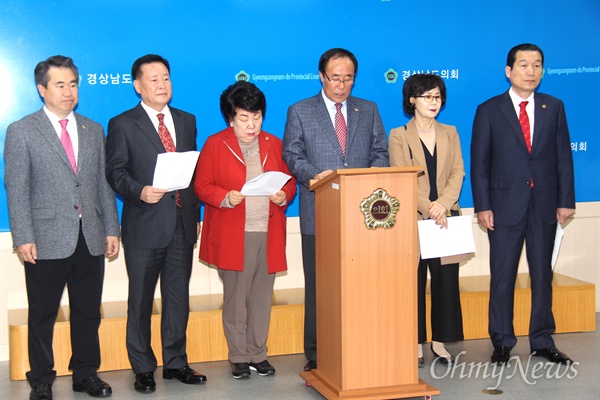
(367, 285)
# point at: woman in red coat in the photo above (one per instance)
(243, 236)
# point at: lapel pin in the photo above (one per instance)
(543, 106)
(84, 127)
(356, 109)
(266, 138)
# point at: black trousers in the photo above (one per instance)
(506, 245)
(446, 312)
(309, 261)
(173, 264)
(83, 274)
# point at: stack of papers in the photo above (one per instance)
(440, 242)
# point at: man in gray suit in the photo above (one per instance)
(63, 219)
(318, 140)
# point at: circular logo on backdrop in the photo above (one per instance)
(380, 210)
(391, 76)
(242, 76)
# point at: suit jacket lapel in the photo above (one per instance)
(508, 109)
(324, 120)
(538, 123)
(84, 143)
(353, 115)
(49, 133)
(416, 146)
(418, 155)
(147, 127)
(232, 143)
(179, 129)
(265, 147)
(441, 144)
(414, 142)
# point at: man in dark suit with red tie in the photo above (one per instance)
(523, 185)
(159, 228)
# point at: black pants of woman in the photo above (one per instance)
(446, 313)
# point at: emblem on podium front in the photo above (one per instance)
(380, 210)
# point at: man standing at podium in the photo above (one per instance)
(329, 131)
(522, 178)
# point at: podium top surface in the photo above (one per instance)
(362, 171)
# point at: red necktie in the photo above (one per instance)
(340, 127)
(526, 128)
(524, 121)
(167, 141)
(65, 139)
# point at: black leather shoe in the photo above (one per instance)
(310, 365)
(184, 374)
(43, 391)
(501, 355)
(263, 368)
(144, 382)
(240, 370)
(421, 362)
(443, 359)
(93, 386)
(552, 354)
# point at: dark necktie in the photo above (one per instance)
(167, 141)
(340, 126)
(65, 139)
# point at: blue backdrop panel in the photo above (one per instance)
(277, 44)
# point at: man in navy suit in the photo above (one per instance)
(159, 228)
(522, 179)
(312, 149)
(63, 219)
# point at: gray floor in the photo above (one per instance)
(528, 379)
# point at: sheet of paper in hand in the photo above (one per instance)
(265, 184)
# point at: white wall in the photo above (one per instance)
(579, 258)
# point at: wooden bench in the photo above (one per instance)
(573, 305)
(205, 338)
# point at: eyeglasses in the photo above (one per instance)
(429, 98)
(337, 81)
